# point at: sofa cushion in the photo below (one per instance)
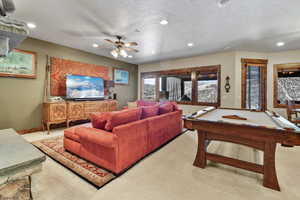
(95, 136)
(99, 120)
(71, 132)
(149, 111)
(165, 108)
(122, 117)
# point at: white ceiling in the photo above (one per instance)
(254, 25)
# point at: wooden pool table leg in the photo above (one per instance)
(270, 177)
(200, 160)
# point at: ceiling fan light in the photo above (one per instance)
(114, 53)
(164, 22)
(222, 3)
(123, 53)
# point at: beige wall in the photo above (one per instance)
(279, 58)
(230, 66)
(238, 72)
(273, 58)
(226, 60)
(21, 99)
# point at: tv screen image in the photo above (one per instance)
(84, 87)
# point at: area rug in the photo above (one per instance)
(94, 174)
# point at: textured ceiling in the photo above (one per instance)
(254, 25)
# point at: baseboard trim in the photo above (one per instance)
(32, 130)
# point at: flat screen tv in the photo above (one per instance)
(84, 87)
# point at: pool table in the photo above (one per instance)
(261, 130)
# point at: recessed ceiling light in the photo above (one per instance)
(153, 52)
(95, 45)
(222, 3)
(31, 25)
(164, 22)
(130, 56)
(280, 44)
(190, 44)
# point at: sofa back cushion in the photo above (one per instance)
(99, 120)
(146, 103)
(166, 108)
(149, 111)
(162, 128)
(122, 117)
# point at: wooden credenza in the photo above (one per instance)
(69, 111)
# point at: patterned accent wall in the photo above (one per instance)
(61, 67)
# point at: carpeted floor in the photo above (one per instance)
(57, 182)
(53, 147)
(168, 174)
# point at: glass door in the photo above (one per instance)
(254, 86)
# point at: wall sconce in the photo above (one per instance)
(227, 85)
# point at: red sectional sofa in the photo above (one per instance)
(119, 148)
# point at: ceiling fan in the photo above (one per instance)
(121, 47)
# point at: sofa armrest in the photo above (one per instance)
(96, 136)
(180, 111)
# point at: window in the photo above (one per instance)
(286, 84)
(194, 86)
(207, 87)
(149, 87)
(176, 87)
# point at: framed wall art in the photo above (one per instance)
(121, 76)
(19, 64)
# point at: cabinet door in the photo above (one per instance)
(58, 112)
(90, 107)
(112, 106)
(102, 106)
(76, 110)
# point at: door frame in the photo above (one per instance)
(258, 63)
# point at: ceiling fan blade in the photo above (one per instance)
(129, 44)
(108, 40)
(130, 49)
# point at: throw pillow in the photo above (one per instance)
(175, 106)
(165, 108)
(149, 111)
(122, 117)
(98, 120)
